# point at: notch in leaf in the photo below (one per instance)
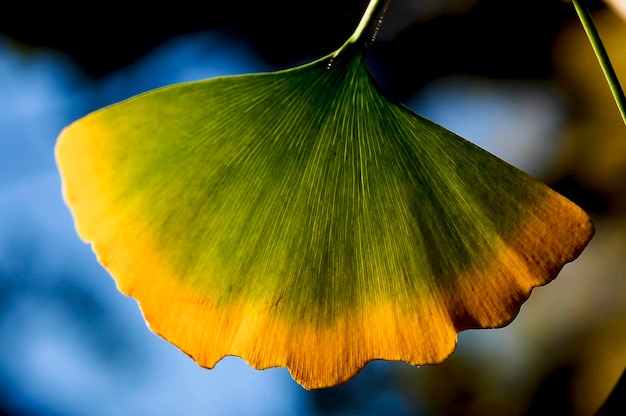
(300, 219)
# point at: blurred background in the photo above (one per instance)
(517, 78)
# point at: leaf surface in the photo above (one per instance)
(300, 219)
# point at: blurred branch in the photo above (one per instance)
(609, 73)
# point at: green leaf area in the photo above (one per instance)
(299, 218)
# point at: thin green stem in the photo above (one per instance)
(370, 22)
(596, 43)
(368, 26)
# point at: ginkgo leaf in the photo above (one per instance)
(301, 219)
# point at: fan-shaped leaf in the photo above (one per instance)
(300, 219)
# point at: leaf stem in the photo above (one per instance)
(368, 27)
(596, 43)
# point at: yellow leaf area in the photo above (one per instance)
(334, 228)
